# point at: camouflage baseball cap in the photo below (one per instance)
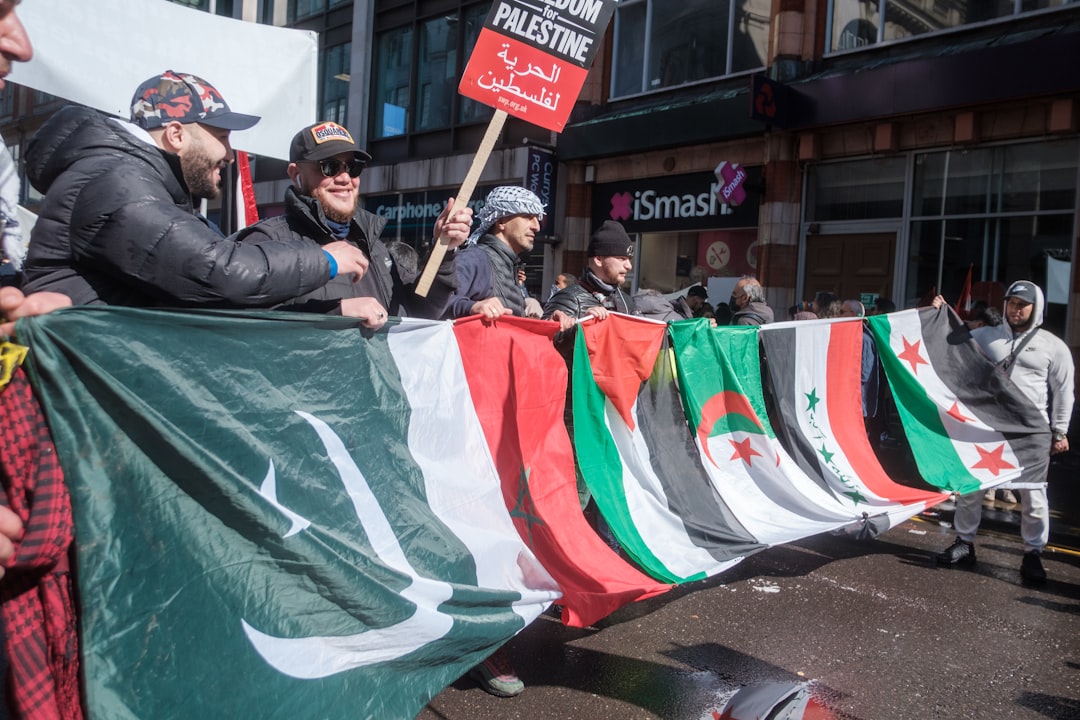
(184, 98)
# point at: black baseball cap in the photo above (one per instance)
(323, 140)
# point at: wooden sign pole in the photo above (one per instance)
(462, 199)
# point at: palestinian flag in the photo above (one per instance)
(638, 457)
(968, 426)
(518, 383)
(277, 515)
(814, 374)
(720, 381)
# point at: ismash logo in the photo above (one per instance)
(645, 205)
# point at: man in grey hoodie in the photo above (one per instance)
(1040, 365)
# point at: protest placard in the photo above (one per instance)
(530, 61)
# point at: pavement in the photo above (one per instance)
(871, 629)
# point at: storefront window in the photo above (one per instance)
(661, 44)
(861, 190)
(1000, 211)
(857, 23)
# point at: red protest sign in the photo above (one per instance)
(531, 58)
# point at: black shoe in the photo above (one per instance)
(1031, 569)
(960, 552)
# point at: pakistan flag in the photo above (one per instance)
(277, 515)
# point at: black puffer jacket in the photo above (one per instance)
(117, 228)
(575, 300)
(384, 280)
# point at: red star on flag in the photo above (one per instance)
(912, 355)
(954, 412)
(992, 460)
(743, 450)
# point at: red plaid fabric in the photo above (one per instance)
(36, 597)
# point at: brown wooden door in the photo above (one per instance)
(850, 265)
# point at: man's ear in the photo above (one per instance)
(294, 174)
(172, 137)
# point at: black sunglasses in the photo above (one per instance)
(332, 167)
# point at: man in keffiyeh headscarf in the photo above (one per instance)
(487, 269)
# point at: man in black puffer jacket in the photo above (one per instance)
(322, 207)
(118, 225)
(598, 290)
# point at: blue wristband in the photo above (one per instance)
(333, 265)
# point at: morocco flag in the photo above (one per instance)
(277, 515)
(968, 425)
(518, 383)
(638, 457)
(720, 381)
(814, 374)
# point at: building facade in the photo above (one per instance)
(888, 148)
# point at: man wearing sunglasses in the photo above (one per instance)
(322, 206)
(118, 225)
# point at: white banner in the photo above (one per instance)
(96, 52)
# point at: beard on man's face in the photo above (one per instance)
(198, 171)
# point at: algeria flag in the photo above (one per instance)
(968, 426)
(638, 457)
(814, 374)
(277, 515)
(720, 382)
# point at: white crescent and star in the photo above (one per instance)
(315, 657)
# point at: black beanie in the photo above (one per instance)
(611, 240)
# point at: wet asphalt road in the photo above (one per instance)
(873, 625)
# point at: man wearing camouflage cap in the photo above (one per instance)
(118, 224)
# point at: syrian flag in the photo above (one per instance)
(815, 378)
(277, 515)
(720, 382)
(518, 383)
(969, 426)
(637, 455)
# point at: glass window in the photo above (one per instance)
(661, 44)
(436, 73)
(299, 9)
(335, 84)
(857, 23)
(473, 19)
(629, 54)
(392, 63)
(859, 190)
(750, 35)
(1005, 209)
